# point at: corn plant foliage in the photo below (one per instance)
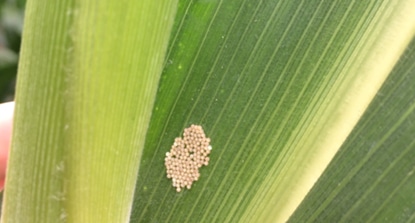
(372, 177)
(88, 75)
(273, 84)
(277, 85)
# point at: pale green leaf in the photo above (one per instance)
(88, 75)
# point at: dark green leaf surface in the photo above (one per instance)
(270, 82)
(372, 177)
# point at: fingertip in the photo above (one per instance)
(6, 121)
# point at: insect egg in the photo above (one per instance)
(186, 156)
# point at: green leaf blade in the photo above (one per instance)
(272, 84)
(87, 82)
(375, 180)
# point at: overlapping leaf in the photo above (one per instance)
(372, 178)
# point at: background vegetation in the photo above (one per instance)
(11, 25)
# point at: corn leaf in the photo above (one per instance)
(372, 178)
(278, 86)
(88, 75)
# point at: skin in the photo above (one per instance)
(6, 120)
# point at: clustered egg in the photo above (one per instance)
(186, 156)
